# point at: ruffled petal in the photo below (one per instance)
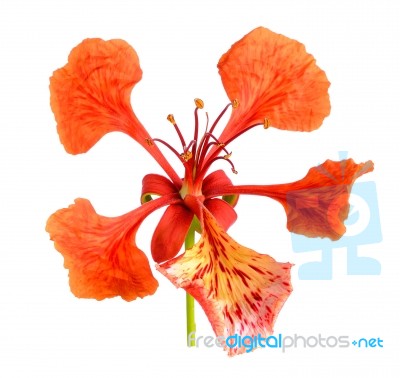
(223, 212)
(275, 81)
(240, 290)
(170, 232)
(318, 204)
(90, 97)
(101, 253)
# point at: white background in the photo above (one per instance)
(44, 330)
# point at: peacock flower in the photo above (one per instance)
(270, 81)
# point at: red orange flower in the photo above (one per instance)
(271, 81)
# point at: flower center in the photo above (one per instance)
(198, 155)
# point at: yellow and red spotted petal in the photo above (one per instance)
(101, 253)
(276, 83)
(240, 290)
(318, 204)
(90, 97)
(170, 232)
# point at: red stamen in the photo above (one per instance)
(218, 145)
(217, 151)
(171, 119)
(169, 146)
(199, 105)
(219, 117)
(208, 164)
(207, 121)
(192, 143)
(204, 145)
(198, 157)
(201, 144)
(243, 131)
(196, 128)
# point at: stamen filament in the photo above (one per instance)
(171, 119)
(169, 146)
(197, 157)
(209, 163)
(207, 121)
(218, 145)
(192, 143)
(212, 157)
(219, 117)
(196, 127)
(202, 139)
(204, 145)
(242, 132)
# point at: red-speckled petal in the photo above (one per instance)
(240, 290)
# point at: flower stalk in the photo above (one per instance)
(190, 307)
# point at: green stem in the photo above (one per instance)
(190, 322)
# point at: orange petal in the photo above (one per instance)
(318, 204)
(90, 97)
(274, 79)
(100, 252)
(240, 290)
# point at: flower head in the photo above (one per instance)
(270, 81)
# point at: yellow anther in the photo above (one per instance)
(235, 103)
(171, 119)
(221, 144)
(228, 156)
(186, 156)
(199, 103)
(266, 123)
(149, 142)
